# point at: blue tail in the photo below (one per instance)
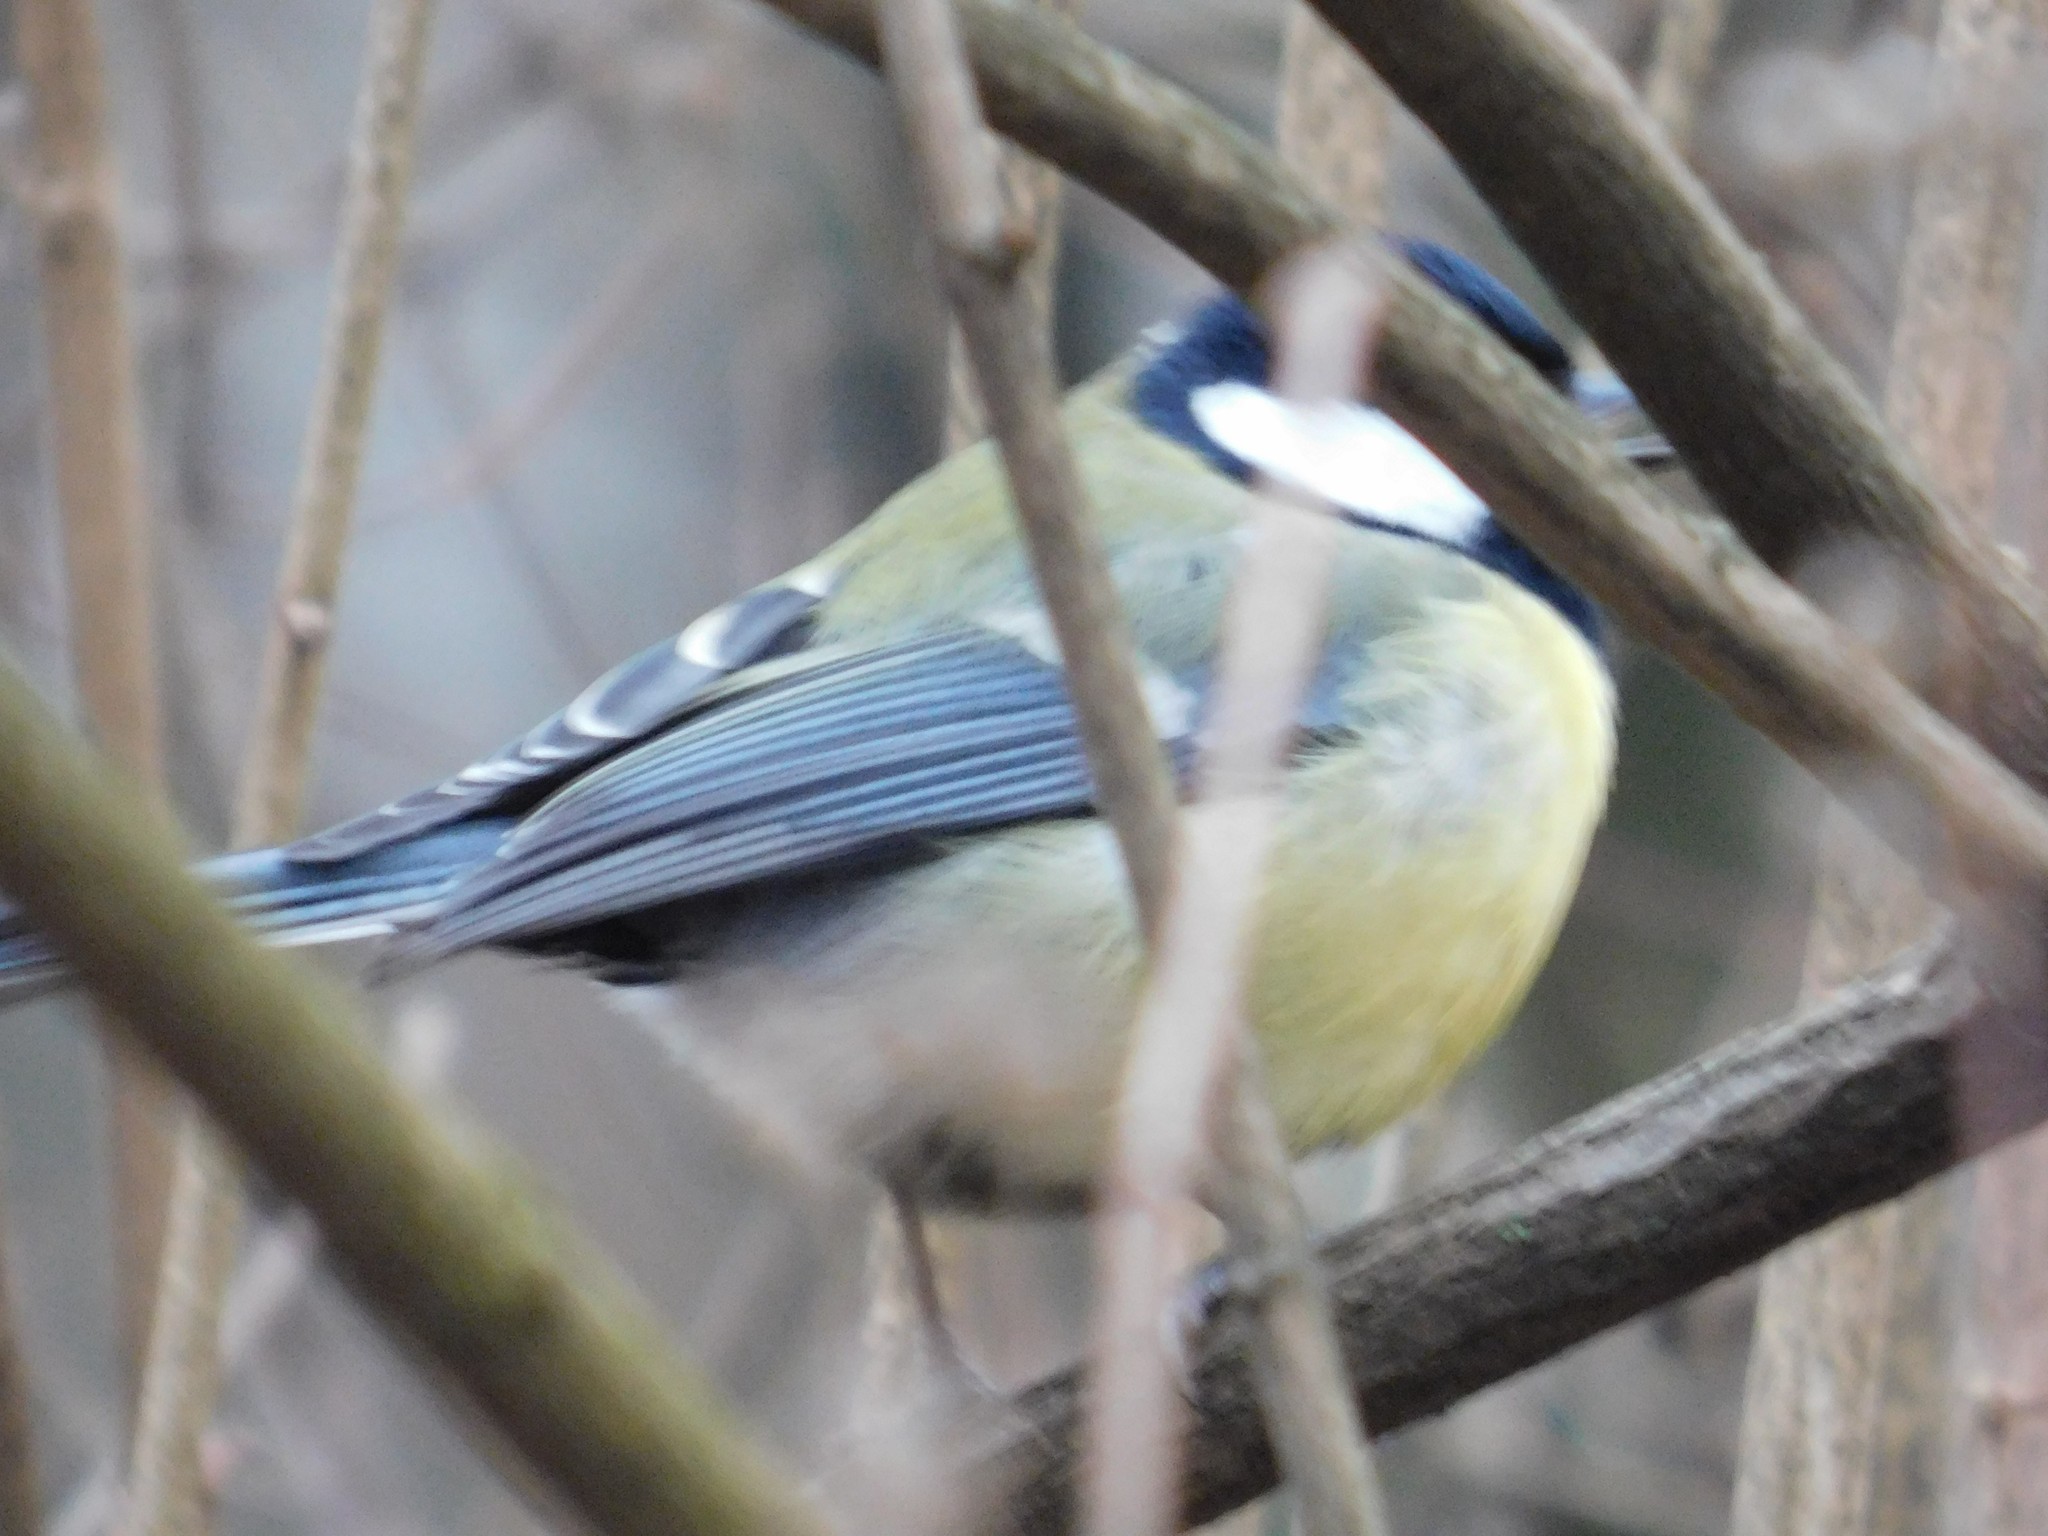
(289, 903)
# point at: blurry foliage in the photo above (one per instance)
(665, 328)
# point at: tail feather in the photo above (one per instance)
(293, 904)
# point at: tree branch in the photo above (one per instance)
(1013, 365)
(96, 435)
(181, 1381)
(1773, 427)
(21, 1505)
(1645, 1198)
(522, 1319)
(1195, 884)
(1681, 60)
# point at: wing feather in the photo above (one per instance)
(640, 695)
(855, 758)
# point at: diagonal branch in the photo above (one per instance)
(1013, 365)
(518, 1316)
(1773, 427)
(1647, 1197)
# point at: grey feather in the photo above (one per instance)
(641, 694)
(857, 757)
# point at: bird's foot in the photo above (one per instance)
(1202, 1298)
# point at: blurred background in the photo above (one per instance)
(665, 326)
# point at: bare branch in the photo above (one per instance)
(955, 158)
(94, 422)
(1012, 363)
(440, 1239)
(1187, 1028)
(1774, 428)
(373, 215)
(181, 1383)
(1681, 59)
(1190, 1050)
(167, 1491)
(21, 1508)
(1645, 1198)
(97, 436)
(1331, 122)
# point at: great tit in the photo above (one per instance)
(843, 822)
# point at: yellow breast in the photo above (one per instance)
(1424, 867)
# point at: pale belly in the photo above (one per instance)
(960, 1026)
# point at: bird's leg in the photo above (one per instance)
(919, 1268)
(1205, 1287)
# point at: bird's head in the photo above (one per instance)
(1207, 387)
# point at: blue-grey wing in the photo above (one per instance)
(635, 698)
(856, 758)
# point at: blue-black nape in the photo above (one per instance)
(1225, 341)
(1499, 550)
(1493, 302)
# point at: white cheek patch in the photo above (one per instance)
(1347, 454)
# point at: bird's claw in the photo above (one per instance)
(1197, 1303)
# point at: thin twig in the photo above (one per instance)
(20, 1483)
(294, 662)
(97, 437)
(181, 1384)
(955, 158)
(1681, 60)
(1273, 629)
(1189, 1048)
(1032, 214)
(1639, 1201)
(1005, 340)
(1032, 208)
(1330, 124)
(519, 1316)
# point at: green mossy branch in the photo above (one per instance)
(441, 1240)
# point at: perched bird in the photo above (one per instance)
(844, 824)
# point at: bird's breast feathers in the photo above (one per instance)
(1427, 858)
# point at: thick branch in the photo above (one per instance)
(520, 1318)
(1694, 1175)
(1773, 427)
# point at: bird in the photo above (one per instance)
(837, 838)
